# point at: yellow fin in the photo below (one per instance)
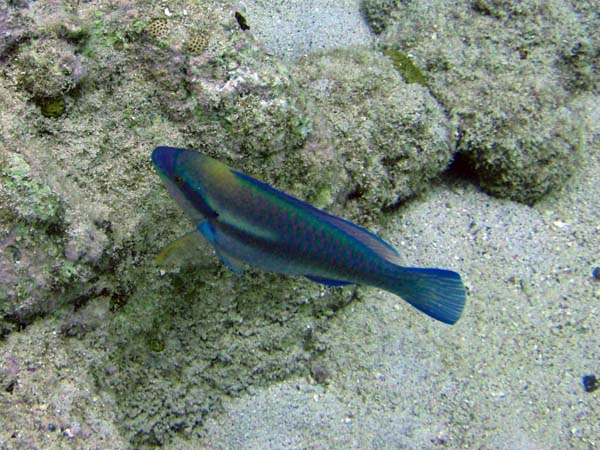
(190, 249)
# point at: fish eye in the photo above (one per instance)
(178, 180)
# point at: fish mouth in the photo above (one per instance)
(171, 164)
(164, 159)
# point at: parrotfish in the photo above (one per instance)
(248, 222)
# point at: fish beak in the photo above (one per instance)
(164, 159)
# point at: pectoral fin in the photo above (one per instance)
(190, 248)
(208, 231)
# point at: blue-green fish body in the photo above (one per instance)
(249, 222)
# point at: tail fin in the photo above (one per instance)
(436, 292)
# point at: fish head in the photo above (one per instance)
(187, 175)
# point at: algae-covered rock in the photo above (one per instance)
(380, 13)
(33, 270)
(376, 139)
(183, 342)
(46, 67)
(13, 26)
(500, 71)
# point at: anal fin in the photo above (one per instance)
(233, 264)
(327, 281)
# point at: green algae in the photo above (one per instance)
(52, 107)
(405, 65)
